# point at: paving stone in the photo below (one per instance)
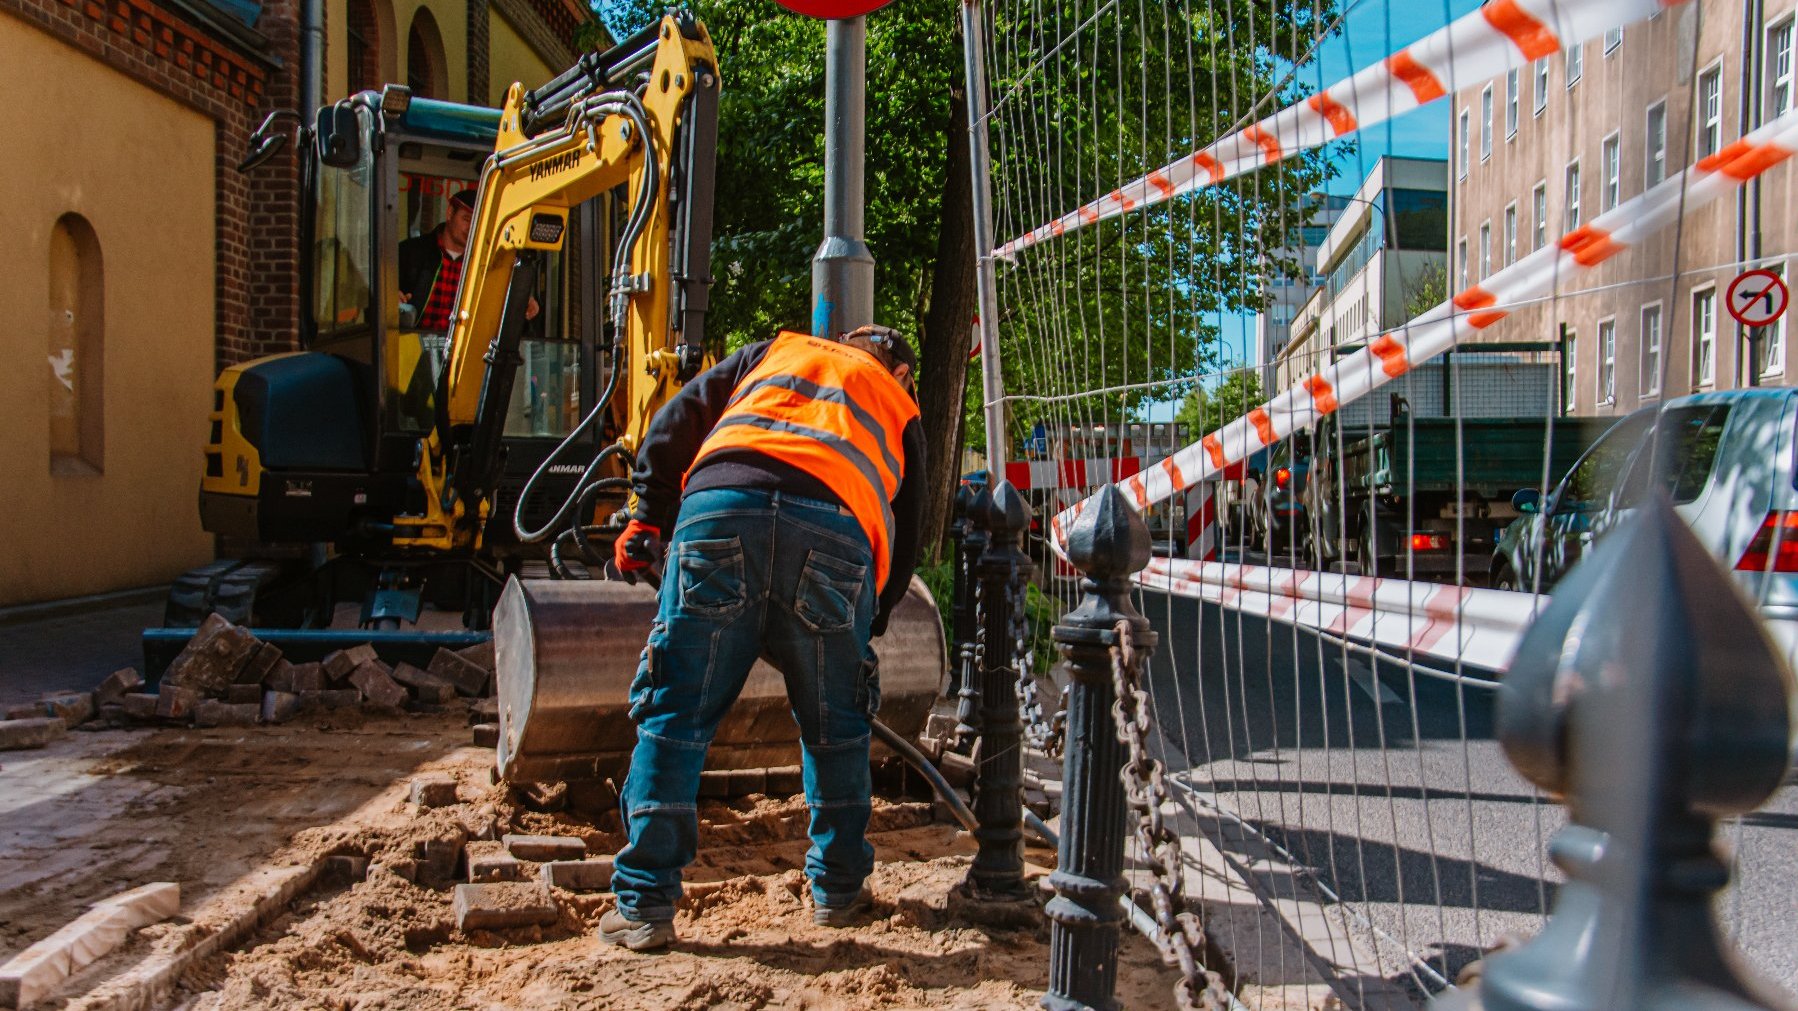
(279, 677)
(36, 732)
(73, 708)
(503, 906)
(212, 658)
(340, 698)
(434, 791)
(241, 694)
(175, 702)
(213, 713)
(480, 654)
(37, 971)
(279, 707)
(340, 665)
(483, 711)
(545, 847)
(23, 711)
(786, 780)
(470, 678)
(125, 679)
(113, 715)
(346, 867)
(486, 735)
(425, 686)
(265, 661)
(308, 677)
(380, 689)
(438, 857)
(489, 861)
(139, 706)
(732, 782)
(577, 875)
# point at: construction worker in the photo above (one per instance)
(796, 467)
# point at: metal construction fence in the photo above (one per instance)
(1463, 623)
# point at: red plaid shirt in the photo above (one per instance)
(436, 312)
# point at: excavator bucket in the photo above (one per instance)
(565, 653)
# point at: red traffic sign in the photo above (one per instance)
(1757, 297)
(833, 8)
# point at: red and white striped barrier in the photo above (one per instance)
(1093, 472)
(1448, 624)
(1391, 355)
(1201, 521)
(1500, 35)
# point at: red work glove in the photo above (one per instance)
(638, 547)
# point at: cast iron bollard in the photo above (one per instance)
(998, 869)
(968, 541)
(1649, 695)
(1109, 544)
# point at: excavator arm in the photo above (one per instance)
(644, 116)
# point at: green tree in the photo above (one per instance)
(1205, 411)
(1427, 290)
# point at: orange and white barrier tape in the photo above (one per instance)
(1391, 355)
(1501, 35)
(1447, 624)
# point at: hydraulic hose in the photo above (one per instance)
(958, 807)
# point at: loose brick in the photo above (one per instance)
(23, 711)
(425, 686)
(786, 780)
(279, 707)
(72, 708)
(346, 867)
(546, 847)
(16, 735)
(489, 861)
(139, 706)
(381, 690)
(437, 858)
(577, 875)
(480, 654)
(279, 678)
(125, 679)
(174, 702)
(212, 658)
(434, 791)
(483, 711)
(486, 735)
(242, 694)
(341, 664)
(503, 906)
(469, 677)
(340, 698)
(261, 664)
(308, 677)
(113, 715)
(213, 713)
(37, 971)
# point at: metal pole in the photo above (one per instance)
(992, 381)
(312, 58)
(843, 267)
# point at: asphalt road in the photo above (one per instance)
(1404, 807)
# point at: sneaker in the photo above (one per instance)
(637, 935)
(849, 915)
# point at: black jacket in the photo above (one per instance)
(682, 425)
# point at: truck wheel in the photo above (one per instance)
(1369, 563)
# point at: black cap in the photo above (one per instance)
(463, 199)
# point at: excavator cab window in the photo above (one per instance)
(342, 247)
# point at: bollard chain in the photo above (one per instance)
(1045, 733)
(1179, 936)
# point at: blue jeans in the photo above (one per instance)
(753, 573)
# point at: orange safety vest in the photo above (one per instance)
(834, 412)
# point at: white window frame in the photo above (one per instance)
(1570, 367)
(1485, 249)
(1651, 351)
(1513, 102)
(1510, 233)
(1461, 263)
(1776, 334)
(1575, 64)
(1610, 164)
(1570, 203)
(1463, 146)
(1541, 83)
(1654, 158)
(1704, 344)
(1539, 215)
(1709, 124)
(1607, 360)
(1780, 79)
(1486, 124)
(1612, 39)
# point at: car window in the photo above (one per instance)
(1589, 485)
(1685, 452)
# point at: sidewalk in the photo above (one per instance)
(71, 650)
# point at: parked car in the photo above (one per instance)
(1726, 459)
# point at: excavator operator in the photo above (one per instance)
(796, 468)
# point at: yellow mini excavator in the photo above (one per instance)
(400, 464)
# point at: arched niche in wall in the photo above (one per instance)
(427, 67)
(77, 349)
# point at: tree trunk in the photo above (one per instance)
(948, 327)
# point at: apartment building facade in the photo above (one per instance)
(1546, 148)
(1289, 290)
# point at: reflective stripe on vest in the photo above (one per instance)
(831, 411)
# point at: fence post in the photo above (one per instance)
(1108, 543)
(1666, 709)
(998, 868)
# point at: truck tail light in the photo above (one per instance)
(1774, 547)
(1428, 542)
(1282, 477)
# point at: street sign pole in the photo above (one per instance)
(843, 267)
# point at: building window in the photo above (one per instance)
(1569, 365)
(1572, 216)
(427, 69)
(1704, 337)
(1610, 159)
(1710, 112)
(1486, 123)
(362, 46)
(1607, 361)
(1779, 68)
(1651, 349)
(1461, 264)
(1576, 62)
(1541, 85)
(1461, 149)
(77, 338)
(1510, 235)
(1612, 39)
(1656, 144)
(1485, 250)
(1770, 343)
(1539, 199)
(1512, 85)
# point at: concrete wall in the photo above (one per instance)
(511, 59)
(139, 168)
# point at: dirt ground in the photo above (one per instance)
(208, 808)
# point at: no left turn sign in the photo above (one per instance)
(1757, 297)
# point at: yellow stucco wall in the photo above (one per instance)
(510, 58)
(394, 22)
(139, 168)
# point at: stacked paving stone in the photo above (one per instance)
(226, 677)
